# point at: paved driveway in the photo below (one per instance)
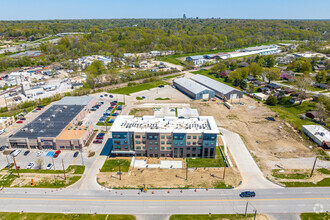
(252, 176)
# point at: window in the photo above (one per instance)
(137, 136)
(212, 144)
(163, 155)
(188, 148)
(116, 136)
(181, 137)
(143, 148)
(199, 148)
(199, 142)
(144, 142)
(150, 137)
(200, 137)
(156, 148)
(212, 138)
(168, 142)
(163, 148)
(175, 138)
(175, 142)
(138, 148)
(188, 142)
(188, 137)
(207, 144)
(163, 137)
(150, 142)
(125, 136)
(194, 137)
(143, 136)
(194, 148)
(194, 143)
(188, 155)
(169, 137)
(156, 137)
(150, 148)
(194, 155)
(168, 148)
(125, 142)
(156, 142)
(181, 142)
(138, 142)
(116, 142)
(162, 142)
(126, 147)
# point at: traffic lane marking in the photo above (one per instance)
(162, 200)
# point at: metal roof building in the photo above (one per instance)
(193, 89)
(319, 134)
(221, 90)
(75, 100)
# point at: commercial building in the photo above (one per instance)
(197, 60)
(57, 127)
(318, 134)
(6, 121)
(221, 90)
(164, 137)
(193, 89)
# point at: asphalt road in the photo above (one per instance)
(288, 200)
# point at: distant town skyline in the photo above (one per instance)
(106, 9)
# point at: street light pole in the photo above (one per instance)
(313, 166)
(187, 168)
(247, 203)
(119, 169)
(15, 165)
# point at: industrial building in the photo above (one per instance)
(58, 127)
(318, 134)
(164, 137)
(221, 90)
(192, 89)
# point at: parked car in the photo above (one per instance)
(100, 137)
(247, 194)
(19, 122)
(101, 134)
(111, 96)
(16, 152)
(111, 121)
(23, 119)
(101, 96)
(26, 152)
(57, 153)
(97, 141)
(76, 154)
(93, 109)
(30, 165)
(270, 118)
(115, 114)
(50, 165)
(38, 109)
(39, 153)
(11, 152)
(34, 110)
(161, 86)
(101, 103)
(105, 94)
(143, 97)
(2, 147)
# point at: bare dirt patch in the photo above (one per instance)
(171, 178)
(139, 112)
(268, 140)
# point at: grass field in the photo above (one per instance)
(78, 169)
(324, 171)
(323, 183)
(7, 180)
(211, 217)
(297, 175)
(50, 183)
(207, 162)
(112, 165)
(170, 77)
(314, 216)
(137, 88)
(58, 216)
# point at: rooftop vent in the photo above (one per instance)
(53, 116)
(79, 128)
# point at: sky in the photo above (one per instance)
(102, 9)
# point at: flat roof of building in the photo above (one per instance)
(191, 85)
(72, 132)
(213, 84)
(75, 100)
(318, 132)
(202, 124)
(50, 123)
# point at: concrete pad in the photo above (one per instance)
(164, 164)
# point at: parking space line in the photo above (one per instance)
(74, 161)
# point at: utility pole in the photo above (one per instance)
(313, 166)
(15, 165)
(54, 170)
(187, 168)
(247, 203)
(119, 169)
(63, 169)
(255, 214)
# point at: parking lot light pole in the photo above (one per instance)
(119, 169)
(15, 165)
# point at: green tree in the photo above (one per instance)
(255, 70)
(321, 76)
(270, 61)
(96, 68)
(271, 100)
(272, 73)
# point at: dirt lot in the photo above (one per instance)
(170, 178)
(267, 140)
(139, 112)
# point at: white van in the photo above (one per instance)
(16, 152)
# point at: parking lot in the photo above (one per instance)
(22, 161)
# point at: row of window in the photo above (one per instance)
(119, 136)
(153, 148)
(176, 137)
(119, 147)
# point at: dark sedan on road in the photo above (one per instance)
(76, 154)
(247, 194)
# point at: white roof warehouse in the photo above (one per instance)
(221, 90)
(319, 134)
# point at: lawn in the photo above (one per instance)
(323, 183)
(170, 77)
(112, 165)
(59, 216)
(7, 180)
(50, 182)
(314, 216)
(162, 99)
(211, 217)
(297, 175)
(78, 169)
(324, 171)
(137, 88)
(207, 162)
(139, 98)
(170, 59)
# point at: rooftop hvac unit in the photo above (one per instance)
(65, 107)
(75, 129)
(53, 116)
(69, 128)
(48, 119)
(31, 130)
(79, 128)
